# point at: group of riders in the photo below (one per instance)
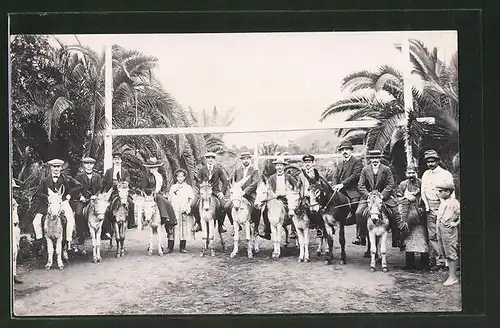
(351, 178)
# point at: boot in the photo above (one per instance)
(170, 246)
(424, 261)
(357, 240)
(409, 261)
(182, 246)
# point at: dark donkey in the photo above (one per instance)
(334, 207)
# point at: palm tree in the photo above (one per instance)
(213, 141)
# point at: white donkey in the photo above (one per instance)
(95, 212)
(53, 228)
(242, 214)
(301, 222)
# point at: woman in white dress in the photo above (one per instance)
(181, 195)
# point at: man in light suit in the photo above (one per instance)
(249, 177)
(91, 185)
(377, 176)
(215, 175)
(346, 180)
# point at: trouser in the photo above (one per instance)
(362, 218)
(436, 254)
(81, 222)
(16, 233)
(70, 222)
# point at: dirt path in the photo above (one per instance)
(187, 284)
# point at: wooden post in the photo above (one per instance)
(108, 107)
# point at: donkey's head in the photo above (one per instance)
(123, 190)
(375, 202)
(54, 202)
(101, 204)
(236, 195)
(263, 191)
(205, 195)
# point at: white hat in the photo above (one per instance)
(55, 161)
(153, 162)
(280, 161)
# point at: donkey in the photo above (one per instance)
(119, 208)
(378, 226)
(95, 212)
(276, 213)
(208, 218)
(153, 219)
(299, 206)
(53, 228)
(242, 216)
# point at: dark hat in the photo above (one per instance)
(153, 162)
(56, 162)
(374, 154)
(280, 161)
(308, 157)
(179, 170)
(117, 154)
(245, 154)
(345, 144)
(88, 160)
(210, 154)
(431, 153)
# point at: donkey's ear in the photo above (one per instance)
(61, 190)
(50, 192)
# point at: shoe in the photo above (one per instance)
(357, 241)
(450, 282)
(17, 281)
(363, 241)
(170, 246)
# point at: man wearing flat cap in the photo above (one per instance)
(155, 183)
(309, 174)
(346, 180)
(111, 178)
(248, 177)
(280, 182)
(377, 176)
(56, 181)
(91, 185)
(430, 197)
(215, 175)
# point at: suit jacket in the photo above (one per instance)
(384, 183)
(71, 187)
(89, 187)
(304, 181)
(250, 184)
(107, 182)
(148, 183)
(218, 175)
(348, 174)
(288, 178)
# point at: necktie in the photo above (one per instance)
(118, 176)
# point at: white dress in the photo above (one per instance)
(181, 196)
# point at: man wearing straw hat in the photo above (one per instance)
(155, 183)
(346, 180)
(279, 182)
(377, 176)
(430, 197)
(91, 185)
(16, 233)
(55, 181)
(215, 175)
(248, 177)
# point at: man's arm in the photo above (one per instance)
(356, 172)
(389, 188)
(223, 179)
(253, 184)
(423, 186)
(362, 182)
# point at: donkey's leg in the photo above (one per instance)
(342, 244)
(273, 238)
(383, 250)
(122, 237)
(329, 239)
(204, 237)
(373, 249)
(94, 244)
(117, 238)
(301, 240)
(50, 253)
(306, 243)
(236, 238)
(151, 236)
(286, 235)
(158, 236)
(248, 232)
(211, 234)
(60, 264)
(319, 251)
(98, 243)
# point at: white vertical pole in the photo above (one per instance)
(408, 97)
(108, 109)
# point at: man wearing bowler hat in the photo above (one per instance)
(430, 196)
(111, 178)
(215, 175)
(248, 177)
(346, 180)
(56, 181)
(309, 174)
(377, 176)
(91, 185)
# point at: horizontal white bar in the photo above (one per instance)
(229, 129)
(300, 156)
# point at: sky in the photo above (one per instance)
(270, 79)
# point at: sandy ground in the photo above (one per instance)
(187, 284)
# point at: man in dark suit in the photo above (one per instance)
(215, 175)
(346, 180)
(248, 176)
(155, 182)
(309, 175)
(279, 182)
(55, 181)
(111, 178)
(91, 185)
(377, 176)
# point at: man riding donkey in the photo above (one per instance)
(248, 177)
(215, 175)
(91, 186)
(155, 182)
(111, 179)
(377, 176)
(278, 184)
(346, 180)
(309, 174)
(70, 187)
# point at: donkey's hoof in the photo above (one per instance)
(256, 250)
(300, 260)
(99, 260)
(328, 261)
(232, 255)
(60, 267)
(94, 260)
(160, 253)
(83, 252)
(372, 269)
(117, 255)
(47, 267)
(342, 262)
(65, 255)
(150, 252)
(202, 254)
(318, 253)
(250, 255)
(384, 269)
(306, 260)
(212, 253)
